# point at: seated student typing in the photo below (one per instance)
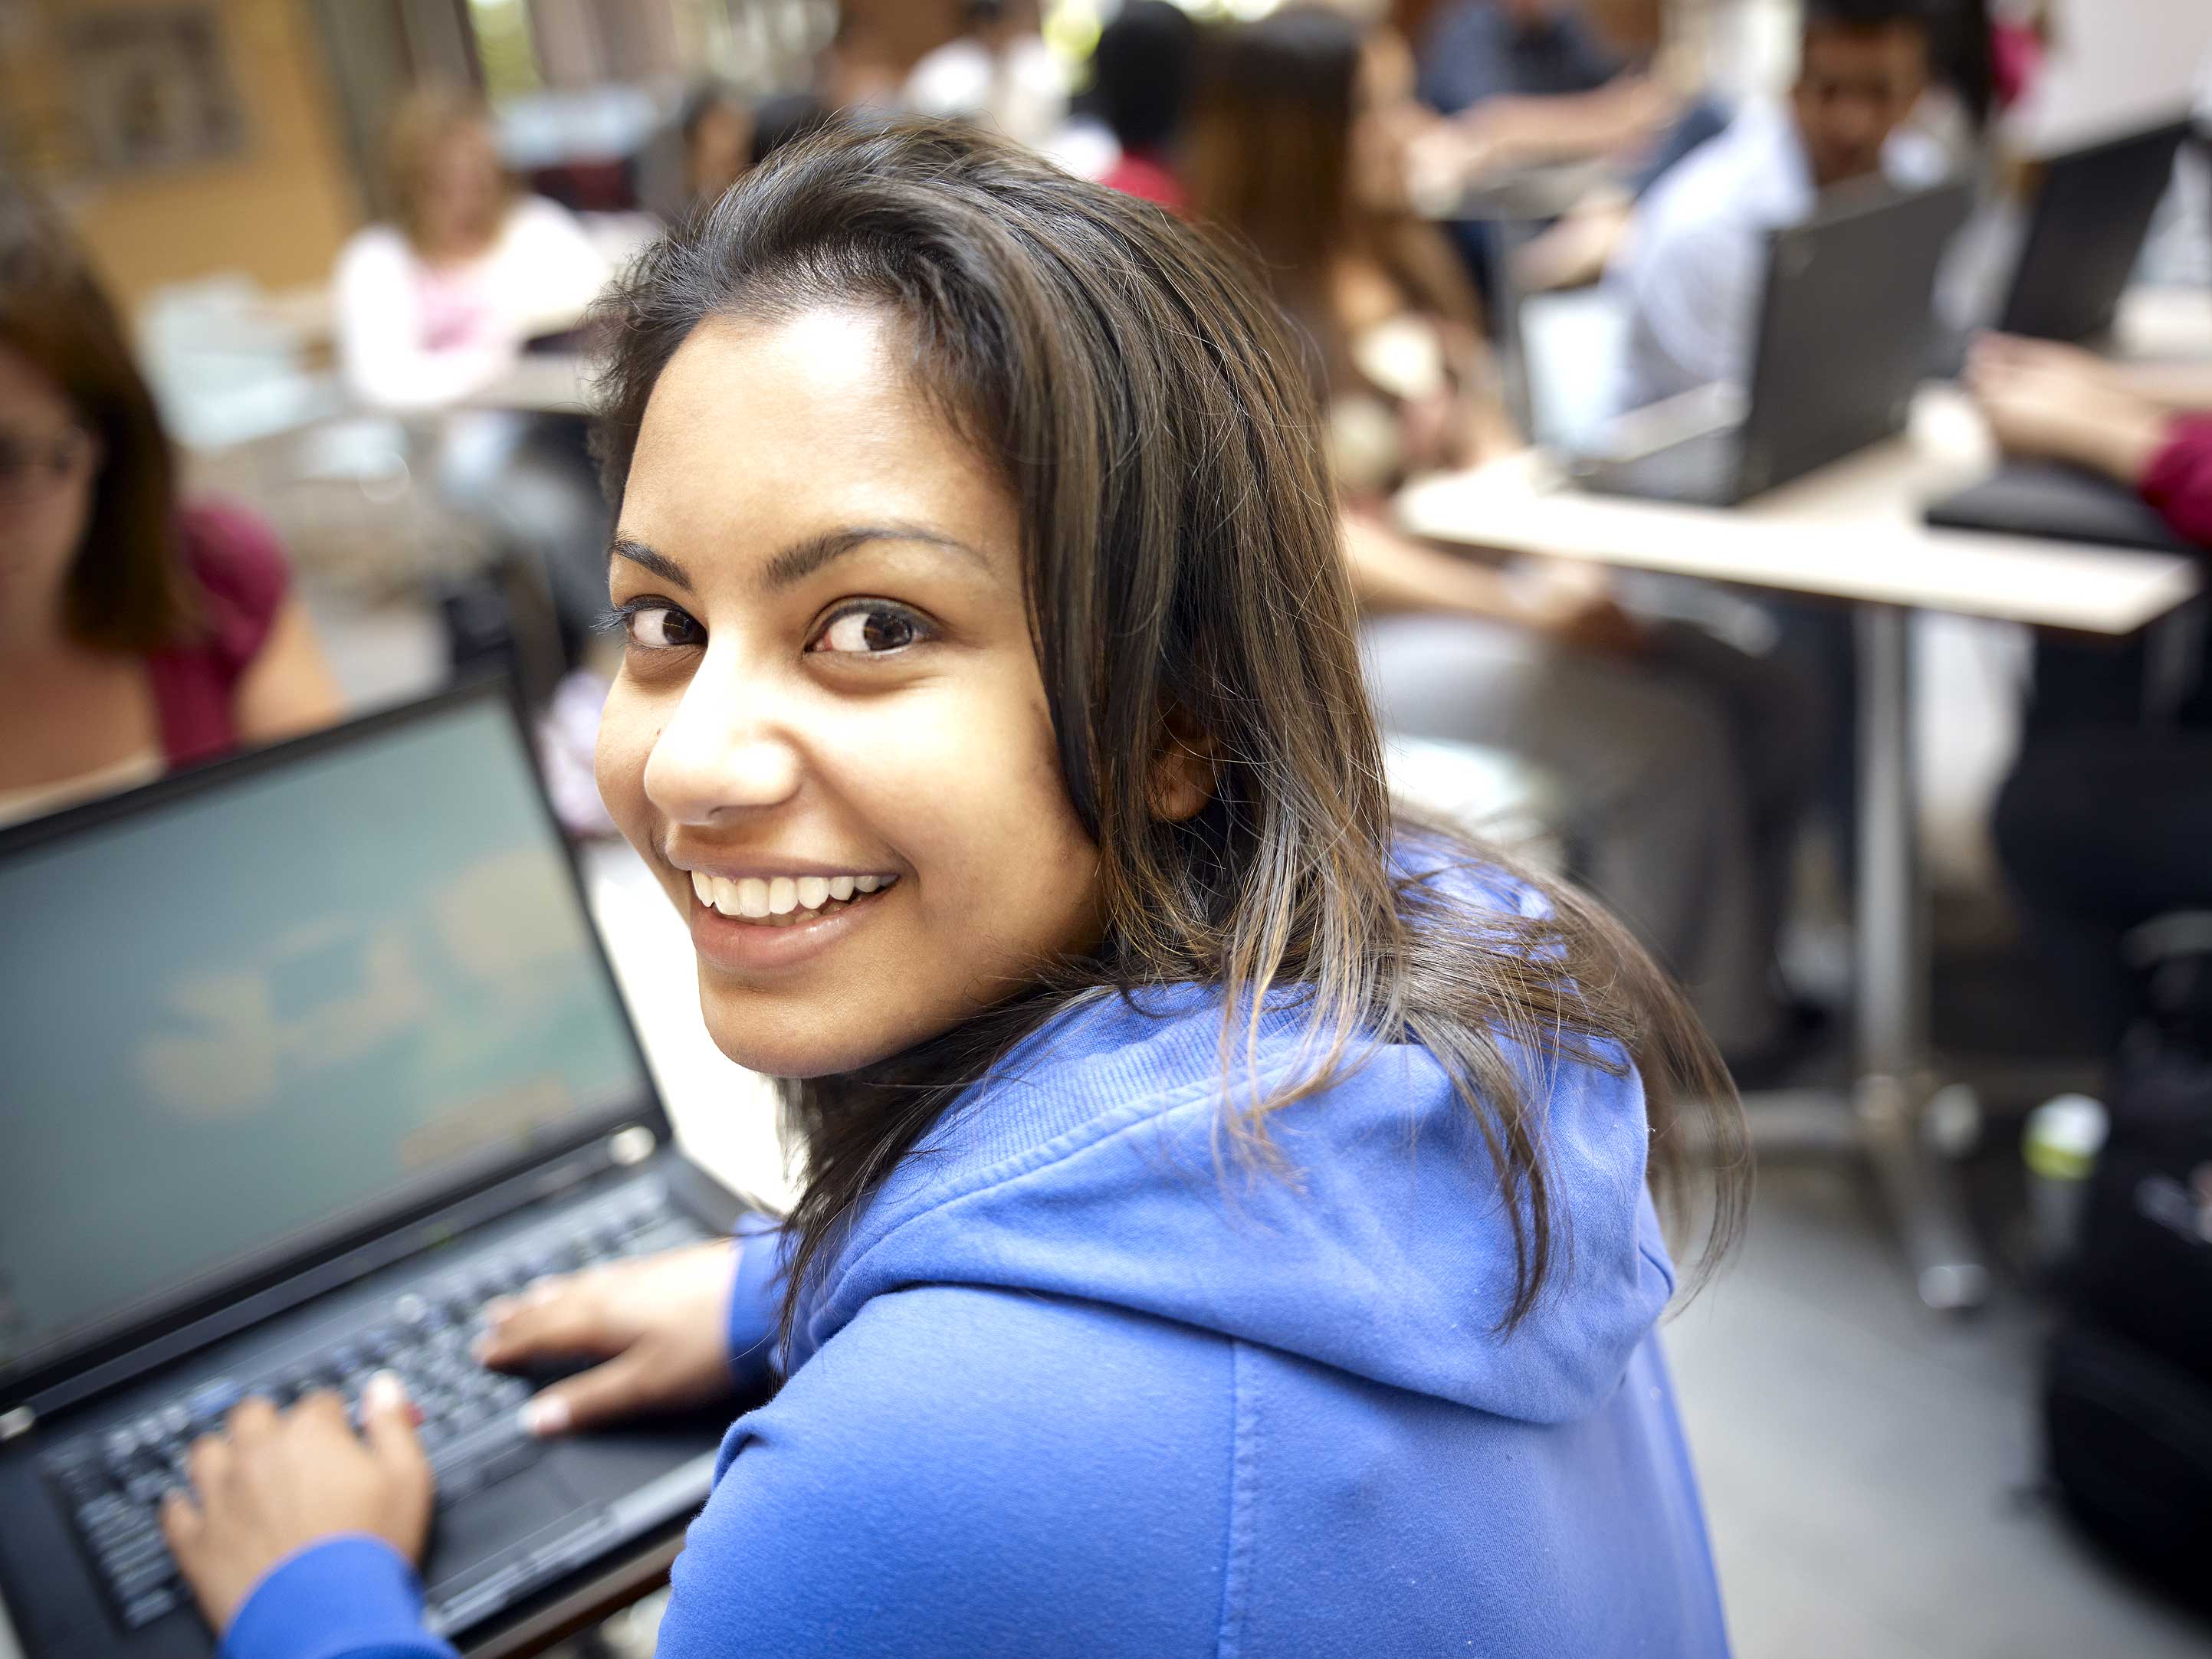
(1226, 1224)
(135, 632)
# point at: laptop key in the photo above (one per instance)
(145, 1609)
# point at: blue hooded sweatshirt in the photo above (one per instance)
(1079, 1383)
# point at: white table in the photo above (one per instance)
(1852, 533)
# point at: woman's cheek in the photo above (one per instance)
(626, 730)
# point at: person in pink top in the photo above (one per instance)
(136, 633)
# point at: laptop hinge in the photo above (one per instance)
(14, 1425)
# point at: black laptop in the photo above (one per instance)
(1844, 332)
(308, 1054)
(2091, 213)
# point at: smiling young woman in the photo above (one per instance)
(1225, 1225)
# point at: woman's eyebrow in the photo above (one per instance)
(646, 558)
(803, 558)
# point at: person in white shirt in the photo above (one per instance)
(1690, 275)
(437, 306)
(432, 311)
(998, 70)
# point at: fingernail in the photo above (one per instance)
(384, 1392)
(547, 1415)
(480, 1350)
(498, 1309)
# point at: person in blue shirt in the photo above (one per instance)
(1227, 1221)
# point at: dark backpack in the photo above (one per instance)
(2127, 1393)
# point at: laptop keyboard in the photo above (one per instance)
(111, 1483)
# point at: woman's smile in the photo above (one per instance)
(740, 929)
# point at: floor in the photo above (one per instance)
(1870, 1470)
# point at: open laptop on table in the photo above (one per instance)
(1844, 336)
(2091, 214)
(307, 1054)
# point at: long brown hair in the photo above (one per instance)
(1148, 412)
(1269, 157)
(128, 586)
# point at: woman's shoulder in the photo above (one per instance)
(379, 248)
(983, 1460)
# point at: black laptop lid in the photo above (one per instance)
(250, 1014)
(2091, 216)
(1845, 327)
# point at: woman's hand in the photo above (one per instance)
(2060, 404)
(660, 1324)
(1572, 604)
(277, 1481)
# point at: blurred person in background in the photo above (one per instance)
(1141, 74)
(136, 633)
(2105, 819)
(435, 307)
(1530, 81)
(998, 70)
(1677, 753)
(716, 125)
(715, 140)
(1690, 274)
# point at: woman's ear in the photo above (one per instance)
(1182, 769)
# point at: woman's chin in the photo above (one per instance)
(776, 1044)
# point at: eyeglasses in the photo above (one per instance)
(31, 468)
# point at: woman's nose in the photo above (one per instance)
(723, 754)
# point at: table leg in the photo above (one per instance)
(1892, 977)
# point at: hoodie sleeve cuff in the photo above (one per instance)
(2179, 480)
(755, 1294)
(349, 1597)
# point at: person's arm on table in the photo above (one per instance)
(1392, 571)
(2065, 405)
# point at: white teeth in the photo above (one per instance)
(760, 898)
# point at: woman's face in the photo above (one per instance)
(461, 184)
(47, 464)
(830, 709)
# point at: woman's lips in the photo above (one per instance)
(753, 944)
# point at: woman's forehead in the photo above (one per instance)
(771, 430)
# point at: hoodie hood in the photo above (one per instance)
(1097, 1163)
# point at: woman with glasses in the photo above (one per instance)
(137, 634)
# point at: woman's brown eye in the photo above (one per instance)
(659, 628)
(869, 631)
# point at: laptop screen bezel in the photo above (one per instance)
(2052, 240)
(147, 1319)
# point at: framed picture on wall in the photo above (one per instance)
(154, 88)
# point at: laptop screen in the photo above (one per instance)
(309, 993)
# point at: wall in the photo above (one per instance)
(277, 210)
